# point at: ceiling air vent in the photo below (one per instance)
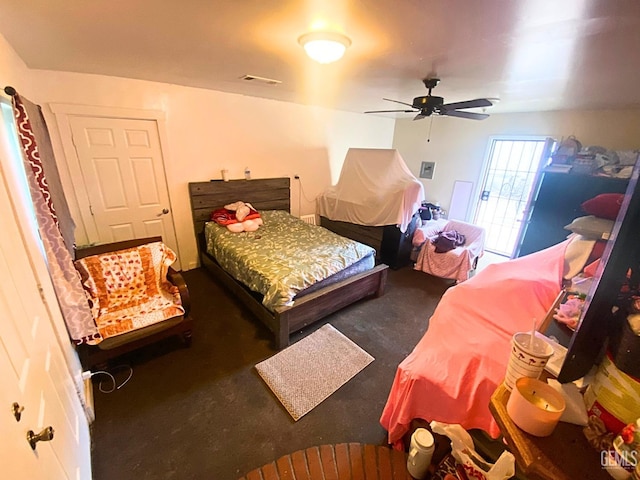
(269, 81)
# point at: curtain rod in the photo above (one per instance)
(10, 90)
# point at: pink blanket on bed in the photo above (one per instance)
(462, 358)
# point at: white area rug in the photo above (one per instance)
(309, 371)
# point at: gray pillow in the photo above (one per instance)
(591, 227)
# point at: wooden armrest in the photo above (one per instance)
(177, 279)
(113, 247)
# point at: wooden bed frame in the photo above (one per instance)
(274, 194)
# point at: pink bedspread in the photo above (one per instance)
(462, 358)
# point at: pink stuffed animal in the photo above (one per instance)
(247, 222)
(246, 226)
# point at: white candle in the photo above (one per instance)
(535, 407)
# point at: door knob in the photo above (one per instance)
(164, 212)
(44, 436)
(17, 409)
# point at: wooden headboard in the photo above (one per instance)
(263, 194)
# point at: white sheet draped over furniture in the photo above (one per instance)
(375, 188)
(457, 263)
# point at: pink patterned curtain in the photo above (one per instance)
(36, 145)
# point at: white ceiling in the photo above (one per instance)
(531, 54)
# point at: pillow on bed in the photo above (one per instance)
(605, 205)
(223, 216)
(576, 255)
(591, 227)
(590, 269)
(598, 250)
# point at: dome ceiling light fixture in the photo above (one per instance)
(324, 47)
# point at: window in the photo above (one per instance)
(511, 170)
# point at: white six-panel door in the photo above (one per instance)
(33, 372)
(123, 172)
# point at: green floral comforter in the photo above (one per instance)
(283, 257)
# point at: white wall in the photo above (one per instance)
(14, 71)
(458, 146)
(210, 130)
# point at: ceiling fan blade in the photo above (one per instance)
(397, 101)
(478, 102)
(420, 116)
(469, 115)
(390, 111)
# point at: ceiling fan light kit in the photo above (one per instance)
(324, 47)
(428, 105)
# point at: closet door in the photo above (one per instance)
(123, 171)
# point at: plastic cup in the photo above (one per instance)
(527, 358)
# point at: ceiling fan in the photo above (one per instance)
(431, 105)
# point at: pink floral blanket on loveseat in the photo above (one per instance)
(128, 289)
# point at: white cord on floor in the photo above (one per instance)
(113, 380)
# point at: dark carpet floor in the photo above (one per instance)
(203, 412)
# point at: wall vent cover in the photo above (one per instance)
(310, 219)
(269, 81)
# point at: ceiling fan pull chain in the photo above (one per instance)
(429, 134)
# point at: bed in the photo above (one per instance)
(460, 361)
(308, 305)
